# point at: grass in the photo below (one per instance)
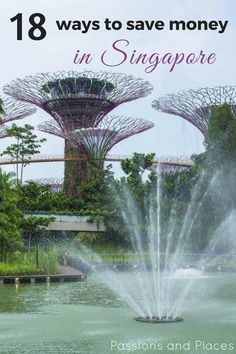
(25, 264)
(16, 269)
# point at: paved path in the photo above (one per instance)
(68, 270)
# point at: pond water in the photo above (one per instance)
(88, 318)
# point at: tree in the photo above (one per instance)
(132, 194)
(95, 194)
(220, 140)
(10, 216)
(134, 168)
(209, 187)
(177, 190)
(220, 145)
(40, 198)
(32, 228)
(27, 144)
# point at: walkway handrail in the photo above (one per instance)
(170, 160)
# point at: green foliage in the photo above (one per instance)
(24, 263)
(134, 189)
(27, 144)
(220, 140)
(220, 145)
(1, 107)
(15, 269)
(35, 224)
(178, 193)
(95, 194)
(209, 185)
(105, 199)
(36, 198)
(32, 227)
(137, 164)
(89, 239)
(48, 261)
(10, 216)
(134, 168)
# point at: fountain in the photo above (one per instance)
(93, 317)
(155, 319)
(161, 275)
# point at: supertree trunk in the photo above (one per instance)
(75, 171)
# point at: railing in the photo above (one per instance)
(189, 259)
(170, 160)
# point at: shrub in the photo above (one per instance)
(24, 263)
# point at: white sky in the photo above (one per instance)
(171, 135)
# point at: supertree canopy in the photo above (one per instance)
(173, 168)
(97, 141)
(172, 164)
(13, 110)
(77, 100)
(197, 106)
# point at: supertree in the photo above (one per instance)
(197, 106)
(13, 110)
(172, 164)
(77, 100)
(173, 168)
(97, 141)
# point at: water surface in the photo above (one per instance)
(87, 318)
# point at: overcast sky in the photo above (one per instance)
(171, 135)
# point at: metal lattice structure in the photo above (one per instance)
(109, 158)
(13, 110)
(197, 106)
(172, 164)
(97, 141)
(56, 184)
(172, 168)
(168, 168)
(78, 100)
